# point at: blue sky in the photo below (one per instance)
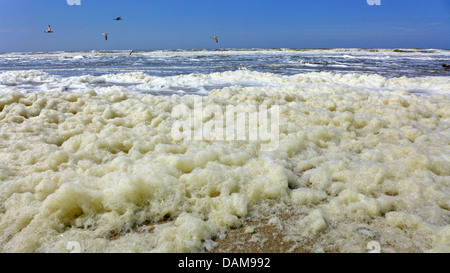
(187, 24)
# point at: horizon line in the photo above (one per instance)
(231, 48)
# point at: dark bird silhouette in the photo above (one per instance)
(118, 19)
(49, 29)
(106, 35)
(215, 38)
(446, 66)
(131, 52)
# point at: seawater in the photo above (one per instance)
(88, 156)
(168, 67)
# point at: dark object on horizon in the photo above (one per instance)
(49, 29)
(446, 66)
(131, 52)
(118, 19)
(106, 35)
(215, 38)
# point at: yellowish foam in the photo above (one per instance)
(103, 170)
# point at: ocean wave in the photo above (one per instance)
(241, 77)
(284, 61)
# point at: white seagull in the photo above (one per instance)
(106, 35)
(215, 38)
(49, 29)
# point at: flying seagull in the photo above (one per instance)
(118, 19)
(49, 29)
(106, 35)
(131, 52)
(215, 38)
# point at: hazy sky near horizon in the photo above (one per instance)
(188, 24)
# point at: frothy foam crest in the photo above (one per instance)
(26, 76)
(241, 78)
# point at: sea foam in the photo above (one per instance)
(360, 158)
